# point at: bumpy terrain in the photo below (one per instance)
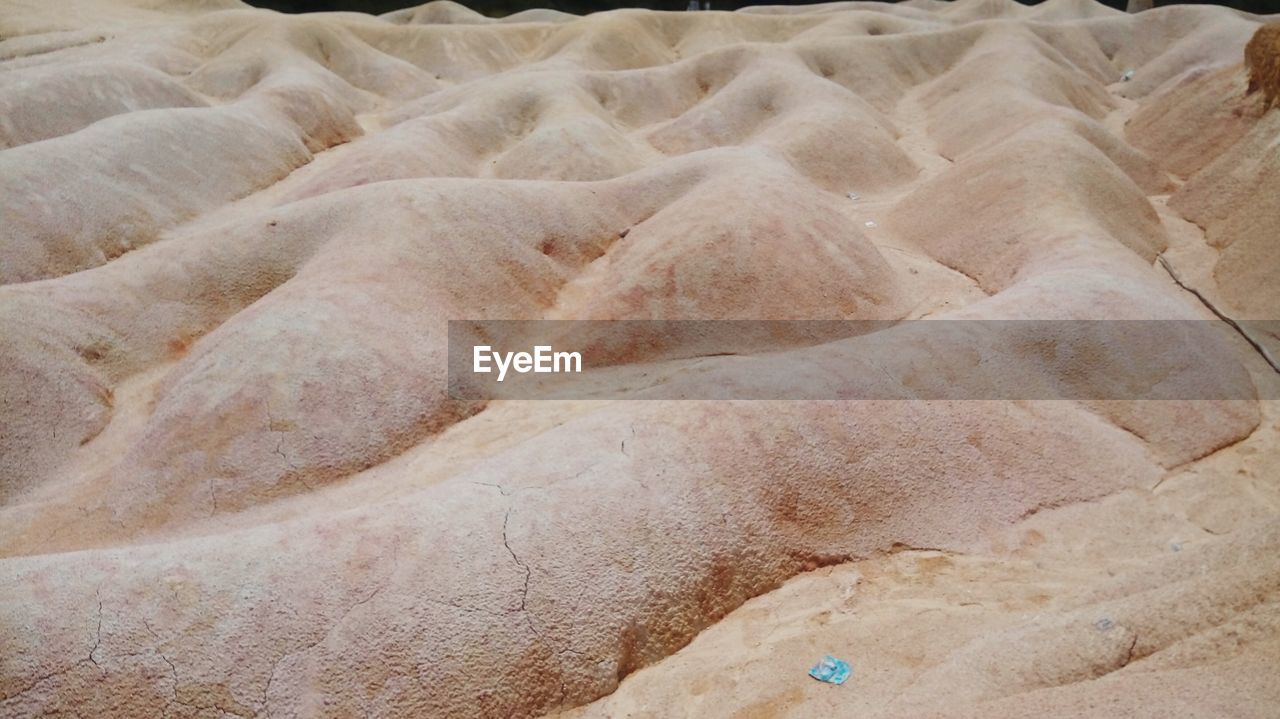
(232, 484)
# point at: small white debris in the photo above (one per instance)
(854, 196)
(870, 223)
(1127, 76)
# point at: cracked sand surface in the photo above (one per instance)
(231, 483)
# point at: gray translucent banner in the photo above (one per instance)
(802, 359)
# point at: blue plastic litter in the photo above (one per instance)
(831, 670)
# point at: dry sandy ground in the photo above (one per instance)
(232, 484)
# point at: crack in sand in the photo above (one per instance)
(524, 590)
(271, 675)
(1257, 346)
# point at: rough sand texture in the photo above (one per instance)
(231, 483)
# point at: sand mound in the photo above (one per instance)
(232, 482)
(1262, 58)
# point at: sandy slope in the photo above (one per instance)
(231, 483)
